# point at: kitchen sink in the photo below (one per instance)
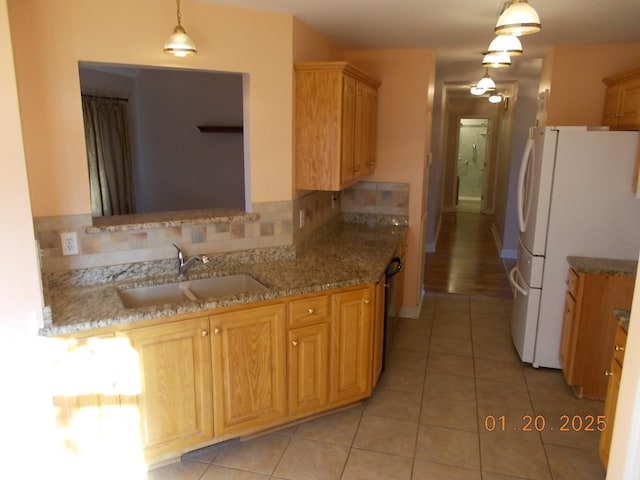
(190, 290)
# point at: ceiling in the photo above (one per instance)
(457, 30)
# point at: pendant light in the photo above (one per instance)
(495, 98)
(506, 45)
(486, 82)
(474, 90)
(519, 18)
(496, 60)
(179, 43)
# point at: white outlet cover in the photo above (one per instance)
(69, 241)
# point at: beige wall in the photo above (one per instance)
(405, 102)
(51, 37)
(25, 406)
(574, 74)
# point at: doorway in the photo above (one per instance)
(471, 163)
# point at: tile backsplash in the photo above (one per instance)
(271, 224)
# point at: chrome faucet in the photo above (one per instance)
(183, 263)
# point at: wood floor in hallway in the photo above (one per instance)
(466, 260)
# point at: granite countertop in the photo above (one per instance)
(603, 265)
(344, 254)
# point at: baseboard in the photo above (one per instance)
(431, 247)
(509, 253)
(503, 252)
(412, 312)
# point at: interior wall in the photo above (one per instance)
(405, 102)
(25, 405)
(50, 38)
(177, 166)
(574, 78)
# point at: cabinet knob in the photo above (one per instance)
(618, 348)
(367, 301)
(311, 311)
(294, 343)
(569, 282)
(216, 331)
(204, 333)
(608, 374)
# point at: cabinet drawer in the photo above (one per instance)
(308, 311)
(620, 344)
(572, 282)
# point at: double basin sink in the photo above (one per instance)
(190, 291)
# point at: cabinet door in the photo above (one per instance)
(612, 105)
(249, 368)
(568, 339)
(348, 168)
(174, 403)
(365, 130)
(378, 332)
(308, 361)
(610, 411)
(629, 115)
(85, 374)
(351, 346)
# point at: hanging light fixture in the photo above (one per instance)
(496, 60)
(179, 43)
(519, 18)
(506, 45)
(496, 98)
(474, 90)
(486, 82)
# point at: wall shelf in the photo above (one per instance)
(220, 129)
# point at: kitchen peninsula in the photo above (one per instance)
(235, 366)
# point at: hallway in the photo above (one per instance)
(466, 252)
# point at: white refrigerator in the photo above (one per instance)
(574, 199)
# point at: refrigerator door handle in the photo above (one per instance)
(514, 281)
(523, 216)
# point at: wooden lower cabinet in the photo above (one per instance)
(614, 374)
(249, 355)
(184, 382)
(587, 331)
(175, 402)
(351, 346)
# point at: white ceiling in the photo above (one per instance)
(457, 30)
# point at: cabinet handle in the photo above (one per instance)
(618, 348)
(204, 333)
(294, 343)
(608, 374)
(311, 311)
(216, 331)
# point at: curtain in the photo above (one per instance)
(106, 127)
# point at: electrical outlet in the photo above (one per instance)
(69, 241)
(302, 218)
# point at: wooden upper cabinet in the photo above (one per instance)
(622, 101)
(335, 125)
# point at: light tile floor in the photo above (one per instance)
(451, 372)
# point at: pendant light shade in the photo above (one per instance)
(506, 45)
(179, 43)
(496, 98)
(496, 60)
(519, 18)
(486, 83)
(477, 91)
